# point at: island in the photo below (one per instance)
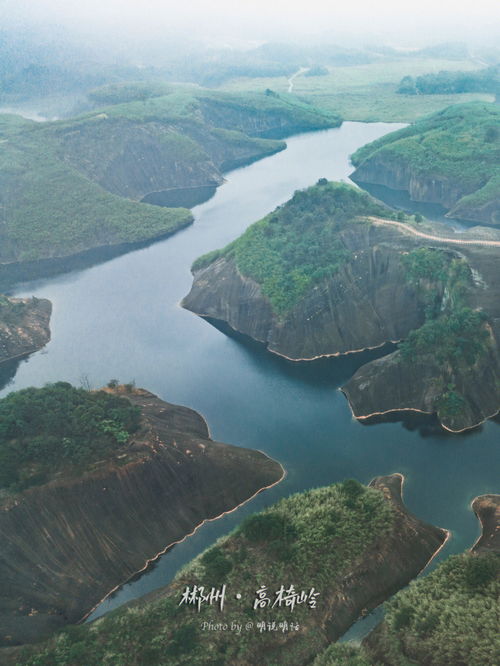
(333, 272)
(451, 158)
(95, 485)
(24, 326)
(73, 185)
(339, 551)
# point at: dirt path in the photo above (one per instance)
(440, 239)
(297, 73)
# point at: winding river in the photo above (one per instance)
(121, 319)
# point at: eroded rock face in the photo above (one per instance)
(375, 572)
(395, 174)
(487, 510)
(391, 172)
(136, 159)
(68, 543)
(24, 326)
(390, 644)
(396, 560)
(392, 384)
(366, 304)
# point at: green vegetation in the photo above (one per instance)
(446, 82)
(317, 70)
(446, 618)
(12, 311)
(311, 539)
(460, 145)
(63, 183)
(51, 209)
(454, 336)
(147, 102)
(299, 244)
(343, 654)
(454, 339)
(367, 91)
(59, 428)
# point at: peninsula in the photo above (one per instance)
(333, 272)
(24, 326)
(94, 486)
(449, 617)
(451, 158)
(74, 185)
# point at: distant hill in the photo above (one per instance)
(73, 185)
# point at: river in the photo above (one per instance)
(121, 319)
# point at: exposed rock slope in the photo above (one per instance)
(74, 185)
(352, 569)
(67, 543)
(450, 158)
(24, 326)
(372, 299)
(447, 618)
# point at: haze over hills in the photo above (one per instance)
(333, 311)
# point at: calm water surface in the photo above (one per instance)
(122, 320)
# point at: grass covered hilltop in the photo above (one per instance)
(72, 185)
(347, 547)
(298, 244)
(451, 158)
(333, 271)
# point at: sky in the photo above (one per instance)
(420, 21)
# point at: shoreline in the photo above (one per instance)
(174, 543)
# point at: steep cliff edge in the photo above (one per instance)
(68, 542)
(487, 509)
(376, 282)
(24, 326)
(450, 158)
(423, 377)
(334, 552)
(365, 305)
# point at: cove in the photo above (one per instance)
(121, 319)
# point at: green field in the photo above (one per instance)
(368, 92)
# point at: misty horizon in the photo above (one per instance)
(132, 28)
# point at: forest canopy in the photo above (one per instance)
(299, 244)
